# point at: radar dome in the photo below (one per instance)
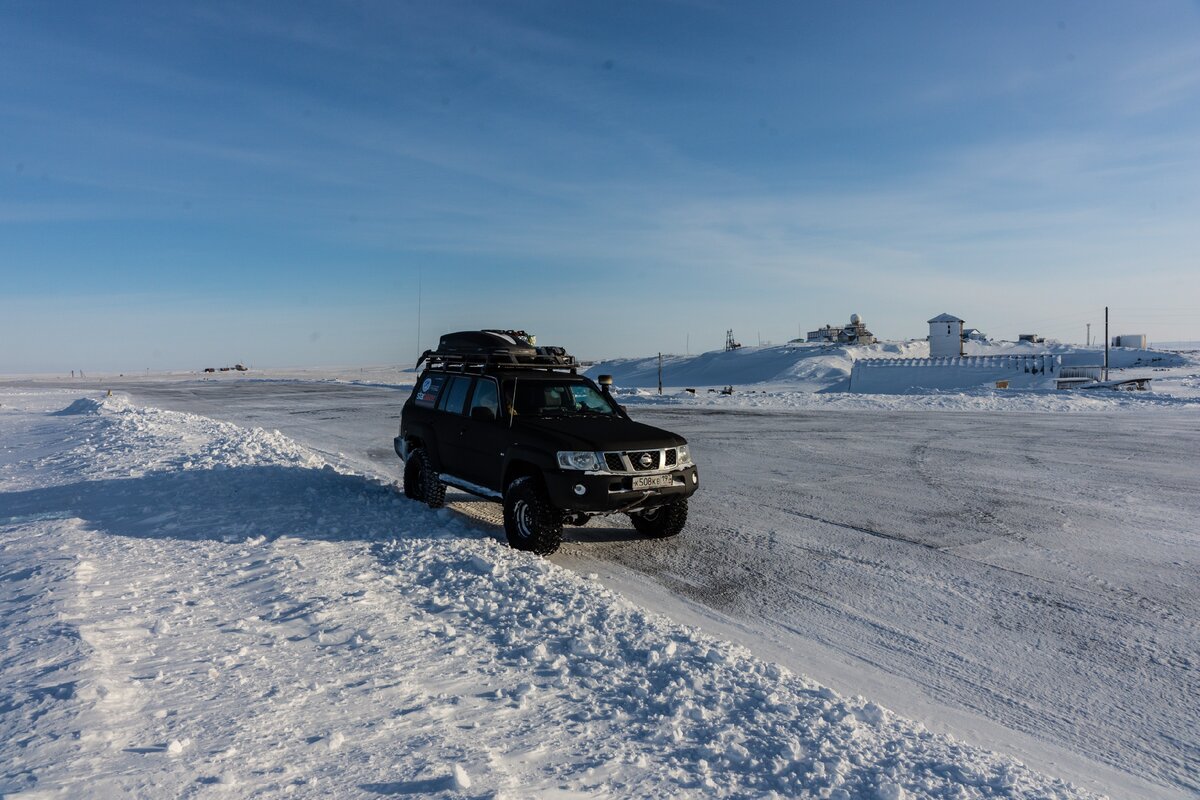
(855, 319)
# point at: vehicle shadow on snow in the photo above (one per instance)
(487, 515)
(235, 503)
(420, 786)
(230, 504)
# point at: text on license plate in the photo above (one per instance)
(652, 481)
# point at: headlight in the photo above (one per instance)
(683, 456)
(578, 459)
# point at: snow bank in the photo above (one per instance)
(778, 377)
(84, 405)
(810, 366)
(202, 605)
(702, 714)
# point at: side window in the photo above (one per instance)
(485, 397)
(429, 390)
(456, 394)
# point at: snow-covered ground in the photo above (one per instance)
(193, 607)
(1025, 581)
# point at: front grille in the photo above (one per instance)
(638, 459)
(631, 460)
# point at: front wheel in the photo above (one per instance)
(530, 521)
(665, 520)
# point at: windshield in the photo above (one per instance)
(547, 398)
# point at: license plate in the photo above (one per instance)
(652, 481)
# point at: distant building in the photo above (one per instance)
(853, 332)
(947, 373)
(1137, 340)
(1031, 338)
(945, 336)
(974, 335)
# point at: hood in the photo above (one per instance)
(597, 433)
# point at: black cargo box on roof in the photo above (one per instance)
(495, 348)
(484, 342)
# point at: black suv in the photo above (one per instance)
(496, 416)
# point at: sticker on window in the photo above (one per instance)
(427, 393)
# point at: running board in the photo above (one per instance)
(467, 486)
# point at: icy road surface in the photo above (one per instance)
(1016, 578)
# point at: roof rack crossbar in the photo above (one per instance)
(504, 360)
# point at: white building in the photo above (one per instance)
(853, 332)
(954, 373)
(1137, 340)
(945, 336)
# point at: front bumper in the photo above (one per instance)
(609, 492)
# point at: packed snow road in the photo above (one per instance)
(1015, 578)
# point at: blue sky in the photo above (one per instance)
(192, 184)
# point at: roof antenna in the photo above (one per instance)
(512, 407)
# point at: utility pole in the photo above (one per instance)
(688, 346)
(1106, 343)
(1089, 335)
(660, 373)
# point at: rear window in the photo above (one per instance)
(456, 394)
(486, 397)
(429, 390)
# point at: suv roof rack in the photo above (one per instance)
(495, 348)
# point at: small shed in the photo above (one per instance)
(945, 336)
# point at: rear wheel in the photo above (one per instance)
(530, 520)
(412, 478)
(421, 481)
(665, 520)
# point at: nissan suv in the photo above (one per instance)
(495, 415)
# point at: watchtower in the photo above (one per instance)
(945, 336)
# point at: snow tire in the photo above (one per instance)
(530, 521)
(663, 521)
(427, 486)
(412, 478)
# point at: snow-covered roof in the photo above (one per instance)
(946, 318)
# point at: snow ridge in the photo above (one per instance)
(640, 690)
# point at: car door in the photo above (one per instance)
(448, 425)
(484, 436)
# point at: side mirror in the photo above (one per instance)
(483, 413)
